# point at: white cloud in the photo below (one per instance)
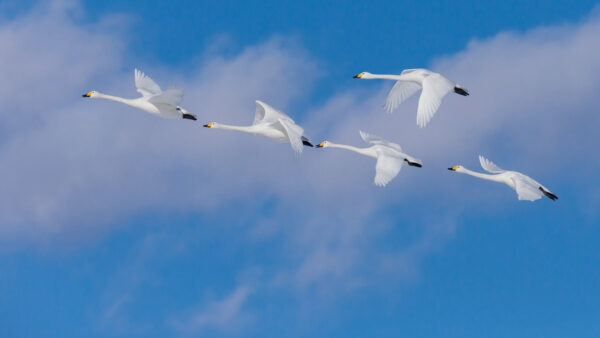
(74, 167)
(224, 314)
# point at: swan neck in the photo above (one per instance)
(480, 175)
(247, 129)
(385, 76)
(362, 151)
(114, 98)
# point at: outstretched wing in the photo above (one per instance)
(145, 85)
(489, 166)
(294, 133)
(401, 91)
(435, 87)
(387, 168)
(527, 188)
(376, 140)
(172, 96)
(267, 114)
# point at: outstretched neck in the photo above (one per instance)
(362, 151)
(488, 177)
(384, 76)
(246, 129)
(115, 98)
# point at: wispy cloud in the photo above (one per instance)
(224, 314)
(74, 168)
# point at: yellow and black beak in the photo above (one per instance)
(453, 168)
(208, 125)
(88, 94)
(358, 76)
(321, 145)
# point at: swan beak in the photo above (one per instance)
(208, 125)
(453, 168)
(358, 76)
(321, 145)
(87, 94)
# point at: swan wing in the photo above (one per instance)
(527, 188)
(267, 114)
(294, 133)
(401, 91)
(387, 167)
(376, 140)
(172, 96)
(435, 87)
(145, 85)
(489, 166)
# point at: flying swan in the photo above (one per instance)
(273, 124)
(527, 188)
(153, 100)
(390, 157)
(435, 87)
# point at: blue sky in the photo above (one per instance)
(118, 224)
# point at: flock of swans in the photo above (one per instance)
(390, 157)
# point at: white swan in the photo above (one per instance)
(153, 100)
(390, 157)
(526, 187)
(435, 87)
(271, 123)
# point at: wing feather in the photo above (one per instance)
(376, 140)
(489, 166)
(294, 133)
(527, 188)
(401, 91)
(145, 85)
(435, 87)
(267, 114)
(172, 96)
(386, 168)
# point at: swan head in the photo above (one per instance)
(323, 144)
(457, 168)
(93, 93)
(210, 125)
(363, 75)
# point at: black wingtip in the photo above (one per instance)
(461, 91)
(306, 143)
(548, 194)
(413, 164)
(189, 117)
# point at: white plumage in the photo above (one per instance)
(390, 156)
(526, 187)
(435, 87)
(271, 123)
(155, 101)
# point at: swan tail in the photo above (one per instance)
(413, 164)
(548, 194)
(306, 142)
(460, 90)
(189, 117)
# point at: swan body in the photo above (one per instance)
(526, 187)
(273, 124)
(434, 85)
(390, 156)
(155, 101)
